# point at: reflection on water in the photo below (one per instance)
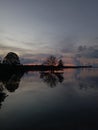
(2, 97)
(9, 81)
(71, 103)
(52, 78)
(88, 79)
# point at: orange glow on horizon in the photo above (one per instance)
(32, 64)
(69, 64)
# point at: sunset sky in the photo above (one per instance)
(35, 29)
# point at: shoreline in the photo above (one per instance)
(7, 67)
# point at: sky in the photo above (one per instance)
(35, 29)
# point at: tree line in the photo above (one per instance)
(13, 59)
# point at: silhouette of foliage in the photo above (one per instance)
(60, 63)
(11, 58)
(51, 61)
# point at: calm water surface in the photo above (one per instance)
(38, 100)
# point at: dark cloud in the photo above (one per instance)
(87, 52)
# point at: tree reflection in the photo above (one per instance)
(52, 78)
(2, 97)
(2, 94)
(10, 81)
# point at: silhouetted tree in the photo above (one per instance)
(11, 58)
(60, 63)
(51, 61)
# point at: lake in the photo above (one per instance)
(43, 100)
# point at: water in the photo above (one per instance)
(44, 100)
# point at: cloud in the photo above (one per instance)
(87, 52)
(69, 44)
(66, 44)
(32, 46)
(5, 49)
(26, 56)
(13, 43)
(33, 58)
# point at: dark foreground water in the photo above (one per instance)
(44, 100)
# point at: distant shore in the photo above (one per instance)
(85, 66)
(13, 68)
(44, 68)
